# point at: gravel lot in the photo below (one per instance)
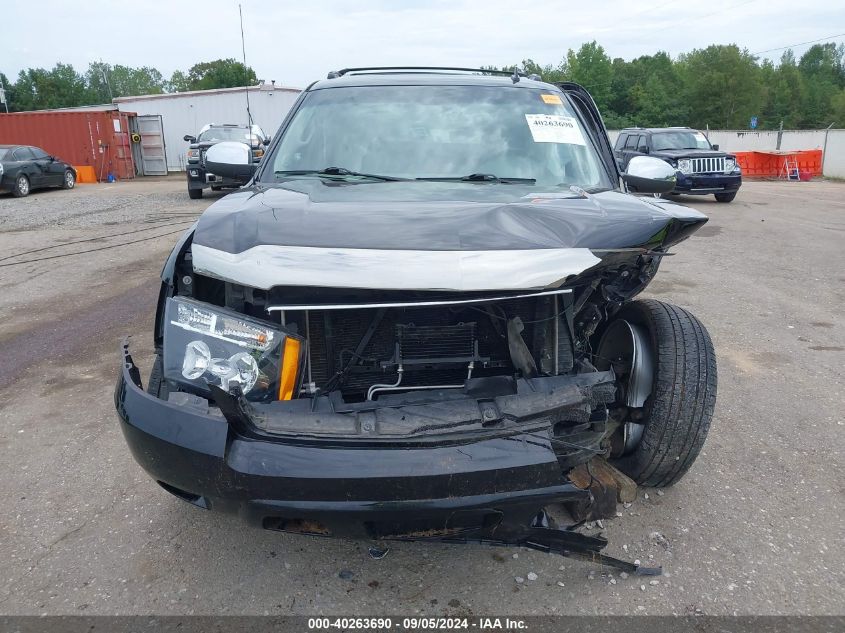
(756, 527)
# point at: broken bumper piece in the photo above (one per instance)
(491, 491)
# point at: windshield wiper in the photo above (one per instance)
(481, 178)
(335, 171)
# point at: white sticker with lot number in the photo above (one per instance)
(554, 128)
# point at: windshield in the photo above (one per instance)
(486, 133)
(682, 139)
(227, 134)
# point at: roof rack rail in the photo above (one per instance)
(515, 74)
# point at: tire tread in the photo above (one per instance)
(680, 409)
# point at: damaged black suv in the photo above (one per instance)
(418, 322)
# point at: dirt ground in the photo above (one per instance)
(756, 527)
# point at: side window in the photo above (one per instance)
(642, 144)
(620, 141)
(23, 153)
(38, 153)
(631, 143)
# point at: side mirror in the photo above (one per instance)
(189, 138)
(647, 174)
(715, 146)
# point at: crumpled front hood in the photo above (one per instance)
(430, 216)
(424, 235)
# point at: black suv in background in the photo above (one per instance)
(701, 168)
(199, 173)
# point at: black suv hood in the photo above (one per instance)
(433, 216)
(688, 153)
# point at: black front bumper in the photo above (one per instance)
(492, 490)
(704, 184)
(200, 178)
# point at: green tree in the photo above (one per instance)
(721, 86)
(106, 82)
(837, 110)
(39, 89)
(220, 73)
(785, 93)
(178, 82)
(656, 98)
(823, 75)
(591, 67)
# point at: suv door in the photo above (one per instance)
(583, 103)
(617, 148)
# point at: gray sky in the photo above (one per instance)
(297, 42)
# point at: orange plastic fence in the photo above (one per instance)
(771, 164)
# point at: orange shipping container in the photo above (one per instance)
(95, 139)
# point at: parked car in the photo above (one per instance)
(701, 168)
(243, 149)
(24, 168)
(419, 322)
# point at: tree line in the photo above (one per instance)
(722, 86)
(65, 87)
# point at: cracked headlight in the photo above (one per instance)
(206, 345)
(684, 166)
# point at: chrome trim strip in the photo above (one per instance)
(415, 304)
(267, 266)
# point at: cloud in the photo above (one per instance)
(295, 42)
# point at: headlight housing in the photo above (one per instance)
(1, 169)
(684, 166)
(207, 345)
(193, 155)
(730, 164)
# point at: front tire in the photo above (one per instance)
(676, 416)
(725, 197)
(70, 180)
(194, 194)
(21, 188)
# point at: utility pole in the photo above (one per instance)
(106, 79)
(3, 98)
(824, 149)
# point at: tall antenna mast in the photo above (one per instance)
(243, 52)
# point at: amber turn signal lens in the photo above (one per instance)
(290, 367)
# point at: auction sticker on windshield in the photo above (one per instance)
(554, 128)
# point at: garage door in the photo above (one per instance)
(153, 158)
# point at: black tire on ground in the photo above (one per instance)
(21, 187)
(69, 181)
(725, 197)
(677, 414)
(194, 194)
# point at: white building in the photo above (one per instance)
(184, 113)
